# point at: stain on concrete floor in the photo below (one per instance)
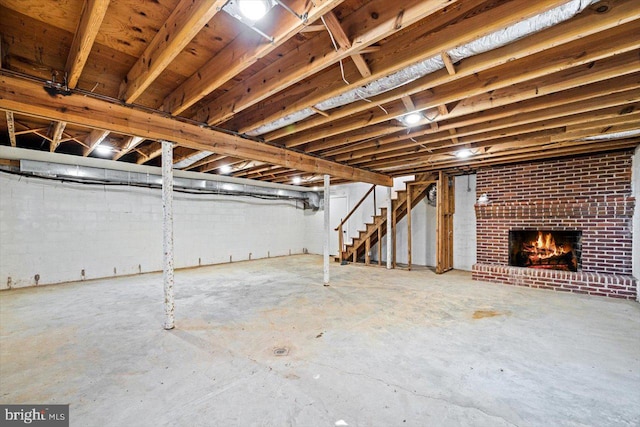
(481, 314)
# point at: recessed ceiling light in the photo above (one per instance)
(412, 118)
(253, 10)
(103, 150)
(225, 169)
(464, 153)
(297, 180)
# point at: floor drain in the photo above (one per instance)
(281, 351)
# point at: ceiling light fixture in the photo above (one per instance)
(254, 10)
(103, 150)
(412, 118)
(249, 12)
(464, 153)
(225, 169)
(297, 180)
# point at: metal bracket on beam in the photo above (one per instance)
(303, 17)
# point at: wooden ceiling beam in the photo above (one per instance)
(561, 59)
(148, 152)
(596, 95)
(253, 169)
(259, 173)
(408, 103)
(24, 132)
(361, 65)
(184, 23)
(318, 111)
(26, 97)
(379, 19)
(523, 155)
(336, 31)
(513, 92)
(209, 159)
(589, 120)
(93, 12)
(586, 24)
(56, 137)
(342, 40)
(451, 69)
(182, 153)
(131, 142)
(399, 53)
(454, 136)
(211, 166)
(236, 57)
(531, 140)
(94, 139)
(11, 128)
(542, 112)
(365, 133)
(312, 28)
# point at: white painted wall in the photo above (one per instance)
(58, 229)
(635, 190)
(464, 223)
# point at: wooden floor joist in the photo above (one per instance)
(29, 98)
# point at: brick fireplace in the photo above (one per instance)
(589, 196)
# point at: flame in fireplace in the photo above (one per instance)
(545, 247)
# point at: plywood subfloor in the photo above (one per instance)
(263, 343)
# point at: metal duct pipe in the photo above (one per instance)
(86, 173)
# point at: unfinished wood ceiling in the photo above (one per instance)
(295, 95)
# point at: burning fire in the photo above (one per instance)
(545, 247)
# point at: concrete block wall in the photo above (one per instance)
(56, 230)
(635, 191)
(464, 223)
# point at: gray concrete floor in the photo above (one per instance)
(376, 348)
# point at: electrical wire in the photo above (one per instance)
(344, 79)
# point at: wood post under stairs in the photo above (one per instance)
(445, 206)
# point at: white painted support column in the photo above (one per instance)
(327, 229)
(167, 228)
(389, 228)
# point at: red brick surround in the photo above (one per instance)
(591, 193)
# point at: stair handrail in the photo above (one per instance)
(339, 227)
(356, 207)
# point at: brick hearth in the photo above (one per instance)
(592, 194)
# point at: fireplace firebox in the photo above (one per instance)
(546, 249)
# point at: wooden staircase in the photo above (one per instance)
(359, 250)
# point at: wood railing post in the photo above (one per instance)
(409, 226)
(375, 208)
(390, 228)
(394, 218)
(379, 244)
(367, 251)
(340, 243)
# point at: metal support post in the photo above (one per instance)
(390, 228)
(167, 228)
(327, 229)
